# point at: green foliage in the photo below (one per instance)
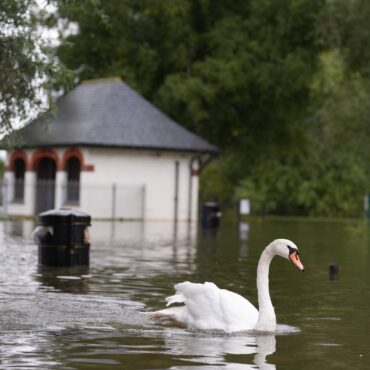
(345, 25)
(281, 86)
(327, 176)
(24, 67)
(234, 72)
(2, 168)
(301, 186)
(218, 179)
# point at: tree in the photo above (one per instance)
(24, 66)
(281, 86)
(328, 175)
(235, 72)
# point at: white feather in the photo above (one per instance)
(205, 306)
(208, 307)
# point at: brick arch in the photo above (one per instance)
(17, 154)
(69, 154)
(74, 152)
(44, 153)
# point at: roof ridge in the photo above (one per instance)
(108, 112)
(101, 80)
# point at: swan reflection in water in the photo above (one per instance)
(230, 352)
(266, 345)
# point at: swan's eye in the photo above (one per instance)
(292, 250)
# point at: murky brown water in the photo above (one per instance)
(92, 319)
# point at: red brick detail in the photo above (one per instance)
(44, 153)
(88, 167)
(15, 155)
(78, 154)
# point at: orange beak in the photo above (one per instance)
(295, 259)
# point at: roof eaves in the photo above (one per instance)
(213, 150)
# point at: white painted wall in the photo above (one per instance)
(153, 171)
(144, 183)
(28, 206)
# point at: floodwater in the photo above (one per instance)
(93, 318)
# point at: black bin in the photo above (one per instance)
(63, 238)
(211, 215)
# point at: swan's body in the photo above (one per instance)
(208, 307)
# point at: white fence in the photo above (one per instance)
(114, 201)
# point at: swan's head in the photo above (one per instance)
(287, 249)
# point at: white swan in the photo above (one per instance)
(208, 307)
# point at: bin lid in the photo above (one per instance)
(63, 215)
(210, 205)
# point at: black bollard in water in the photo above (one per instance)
(211, 215)
(333, 272)
(63, 238)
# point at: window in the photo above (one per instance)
(19, 171)
(73, 168)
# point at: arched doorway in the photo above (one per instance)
(19, 169)
(73, 169)
(45, 184)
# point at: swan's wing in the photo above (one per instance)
(176, 298)
(239, 313)
(208, 307)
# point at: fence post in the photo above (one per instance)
(5, 196)
(176, 191)
(114, 200)
(143, 204)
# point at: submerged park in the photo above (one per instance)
(157, 155)
(96, 317)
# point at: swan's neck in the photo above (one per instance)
(266, 319)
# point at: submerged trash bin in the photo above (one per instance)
(211, 215)
(63, 238)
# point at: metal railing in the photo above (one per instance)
(45, 195)
(72, 192)
(115, 201)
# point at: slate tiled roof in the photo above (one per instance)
(107, 113)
